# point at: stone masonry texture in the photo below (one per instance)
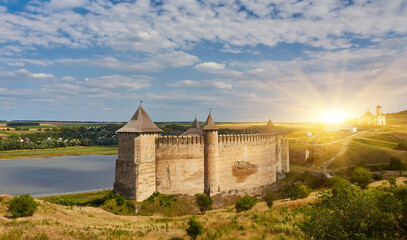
(227, 164)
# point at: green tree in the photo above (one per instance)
(245, 203)
(361, 176)
(392, 181)
(269, 197)
(23, 206)
(402, 146)
(297, 190)
(194, 228)
(348, 212)
(396, 164)
(204, 202)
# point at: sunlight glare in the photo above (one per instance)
(334, 117)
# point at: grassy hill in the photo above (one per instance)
(53, 221)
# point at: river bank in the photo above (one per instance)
(57, 152)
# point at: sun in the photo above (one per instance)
(334, 117)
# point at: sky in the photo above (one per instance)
(248, 60)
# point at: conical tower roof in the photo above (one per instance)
(140, 123)
(269, 126)
(195, 129)
(209, 124)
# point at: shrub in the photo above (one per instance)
(347, 212)
(336, 180)
(152, 197)
(402, 146)
(66, 202)
(269, 197)
(297, 190)
(396, 164)
(312, 181)
(194, 228)
(120, 200)
(245, 203)
(392, 181)
(377, 176)
(204, 202)
(23, 206)
(167, 200)
(361, 176)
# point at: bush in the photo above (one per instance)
(67, 202)
(335, 181)
(167, 200)
(361, 176)
(392, 181)
(269, 197)
(402, 146)
(23, 206)
(152, 197)
(245, 203)
(194, 228)
(312, 181)
(377, 176)
(396, 164)
(297, 190)
(347, 212)
(120, 199)
(204, 202)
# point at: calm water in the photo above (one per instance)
(57, 175)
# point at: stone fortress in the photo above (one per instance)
(198, 161)
(369, 119)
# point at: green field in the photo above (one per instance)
(376, 143)
(54, 152)
(368, 152)
(82, 199)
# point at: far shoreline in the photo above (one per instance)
(58, 152)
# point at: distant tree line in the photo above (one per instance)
(22, 124)
(62, 137)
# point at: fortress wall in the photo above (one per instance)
(246, 161)
(179, 164)
(285, 155)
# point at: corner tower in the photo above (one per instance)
(211, 157)
(135, 165)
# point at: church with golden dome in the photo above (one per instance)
(376, 120)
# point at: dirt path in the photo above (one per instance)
(345, 142)
(323, 167)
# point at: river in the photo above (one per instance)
(56, 175)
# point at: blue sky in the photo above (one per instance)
(248, 60)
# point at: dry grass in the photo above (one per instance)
(61, 222)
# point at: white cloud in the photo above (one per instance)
(117, 82)
(210, 66)
(154, 63)
(25, 74)
(139, 26)
(217, 83)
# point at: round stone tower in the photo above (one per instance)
(211, 157)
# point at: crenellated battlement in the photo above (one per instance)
(245, 138)
(178, 140)
(222, 139)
